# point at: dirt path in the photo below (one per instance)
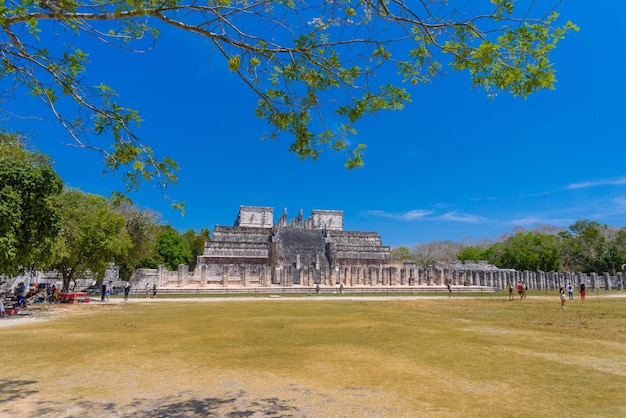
(45, 312)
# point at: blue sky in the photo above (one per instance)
(453, 165)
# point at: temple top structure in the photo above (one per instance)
(263, 217)
(255, 217)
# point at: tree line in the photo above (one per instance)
(585, 246)
(45, 225)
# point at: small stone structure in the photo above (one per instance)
(258, 252)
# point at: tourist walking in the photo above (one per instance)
(104, 291)
(2, 311)
(583, 291)
(449, 291)
(510, 291)
(126, 290)
(154, 290)
(519, 290)
(317, 289)
(570, 291)
(562, 297)
(147, 290)
(524, 289)
(109, 290)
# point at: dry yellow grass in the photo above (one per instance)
(309, 357)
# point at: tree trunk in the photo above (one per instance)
(66, 280)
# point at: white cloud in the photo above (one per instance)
(406, 216)
(461, 217)
(529, 220)
(605, 182)
(483, 199)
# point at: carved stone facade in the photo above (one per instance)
(316, 250)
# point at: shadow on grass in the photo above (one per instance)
(234, 405)
(11, 390)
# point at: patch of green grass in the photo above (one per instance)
(460, 357)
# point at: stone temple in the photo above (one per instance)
(257, 251)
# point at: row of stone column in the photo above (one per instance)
(383, 275)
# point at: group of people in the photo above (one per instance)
(521, 290)
(107, 291)
(570, 292)
(154, 290)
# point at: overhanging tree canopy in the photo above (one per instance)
(305, 60)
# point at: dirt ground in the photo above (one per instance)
(219, 394)
(186, 393)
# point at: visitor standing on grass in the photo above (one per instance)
(104, 291)
(519, 290)
(126, 290)
(154, 290)
(109, 290)
(147, 290)
(562, 296)
(583, 291)
(510, 291)
(524, 289)
(449, 291)
(2, 311)
(570, 291)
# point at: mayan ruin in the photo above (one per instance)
(259, 251)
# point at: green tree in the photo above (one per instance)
(142, 228)
(172, 249)
(29, 221)
(591, 247)
(93, 234)
(401, 253)
(528, 250)
(472, 253)
(304, 60)
(195, 242)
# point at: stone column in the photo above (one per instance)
(224, 276)
(607, 281)
(441, 276)
(243, 275)
(262, 278)
(430, 276)
(592, 281)
(183, 275)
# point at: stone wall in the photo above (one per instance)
(213, 249)
(241, 234)
(255, 216)
(331, 220)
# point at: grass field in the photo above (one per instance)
(310, 357)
